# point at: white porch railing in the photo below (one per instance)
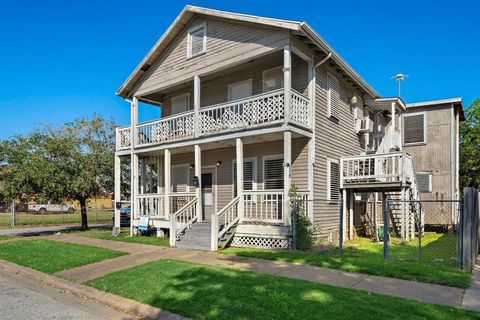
(182, 219)
(224, 220)
(172, 128)
(252, 112)
(263, 205)
(152, 205)
(301, 112)
(123, 138)
(386, 167)
(244, 113)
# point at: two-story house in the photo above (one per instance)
(249, 107)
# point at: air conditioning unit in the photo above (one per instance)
(364, 125)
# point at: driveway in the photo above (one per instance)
(21, 298)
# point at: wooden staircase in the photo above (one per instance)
(197, 237)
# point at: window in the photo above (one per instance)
(424, 181)
(249, 175)
(333, 97)
(333, 180)
(197, 41)
(273, 79)
(273, 172)
(240, 90)
(414, 129)
(180, 103)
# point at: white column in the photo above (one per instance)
(287, 80)
(311, 142)
(287, 174)
(198, 173)
(239, 155)
(133, 139)
(350, 215)
(404, 216)
(344, 215)
(167, 181)
(196, 104)
(135, 212)
(393, 115)
(159, 174)
(143, 180)
(117, 195)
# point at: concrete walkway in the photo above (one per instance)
(471, 299)
(27, 232)
(430, 293)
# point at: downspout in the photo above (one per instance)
(453, 160)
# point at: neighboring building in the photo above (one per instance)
(271, 98)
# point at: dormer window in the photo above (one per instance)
(197, 41)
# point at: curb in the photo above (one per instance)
(130, 307)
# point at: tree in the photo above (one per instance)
(74, 161)
(470, 146)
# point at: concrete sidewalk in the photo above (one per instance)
(424, 292)
(32, 231)
(471, 299)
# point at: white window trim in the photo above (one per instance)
(424, 142)
(430, 181)
(187, 94)
(254, 173)
(187, 166)
(270, 157)
(329, 199)
(263, 76)
(329, 111)
(189, 39)
(229, 87)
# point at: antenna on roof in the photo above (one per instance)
(399, 77)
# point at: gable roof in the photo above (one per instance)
(182, 20)
(442, 103)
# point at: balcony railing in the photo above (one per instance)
(377, 168)
(253, 112)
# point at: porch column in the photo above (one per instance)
(393, 115)
(344, 213)
(167, 181)
(287, 177)
(239, 155)
(196, 105)
(133, 159)
(311, 141)
(159, 174)
(198, 173)
(117, 195)
(143, 180)
(134, 210)
(350, 215)
(287, 80)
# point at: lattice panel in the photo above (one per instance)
(260, 242)
(300, 111)
(125, 138)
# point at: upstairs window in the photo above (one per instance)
(333, 97)
(414, 129)
(424, 181)
(240, 90)
(197, 41)
(273, 172)
(333, 180)
(180, 103)
(273, 79)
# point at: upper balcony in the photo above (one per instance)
(262, 110)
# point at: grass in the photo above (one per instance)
(5, 237)
(51, 256)
(364, 256)
(24, 219)
(106, 234)
(207, 292)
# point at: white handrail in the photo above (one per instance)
(182, 219)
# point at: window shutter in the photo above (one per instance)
(424, 182)
(414, 129)
(333, 97)
(334, 181)
(273, 173)
(247, 177)
(179, 179)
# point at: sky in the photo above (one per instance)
(60, 60)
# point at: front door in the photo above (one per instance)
(208, 192)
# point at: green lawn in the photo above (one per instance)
(206, 292)
(52, 256)
(5, 237)
(24, 219)
(364, 256)
(124, 236)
